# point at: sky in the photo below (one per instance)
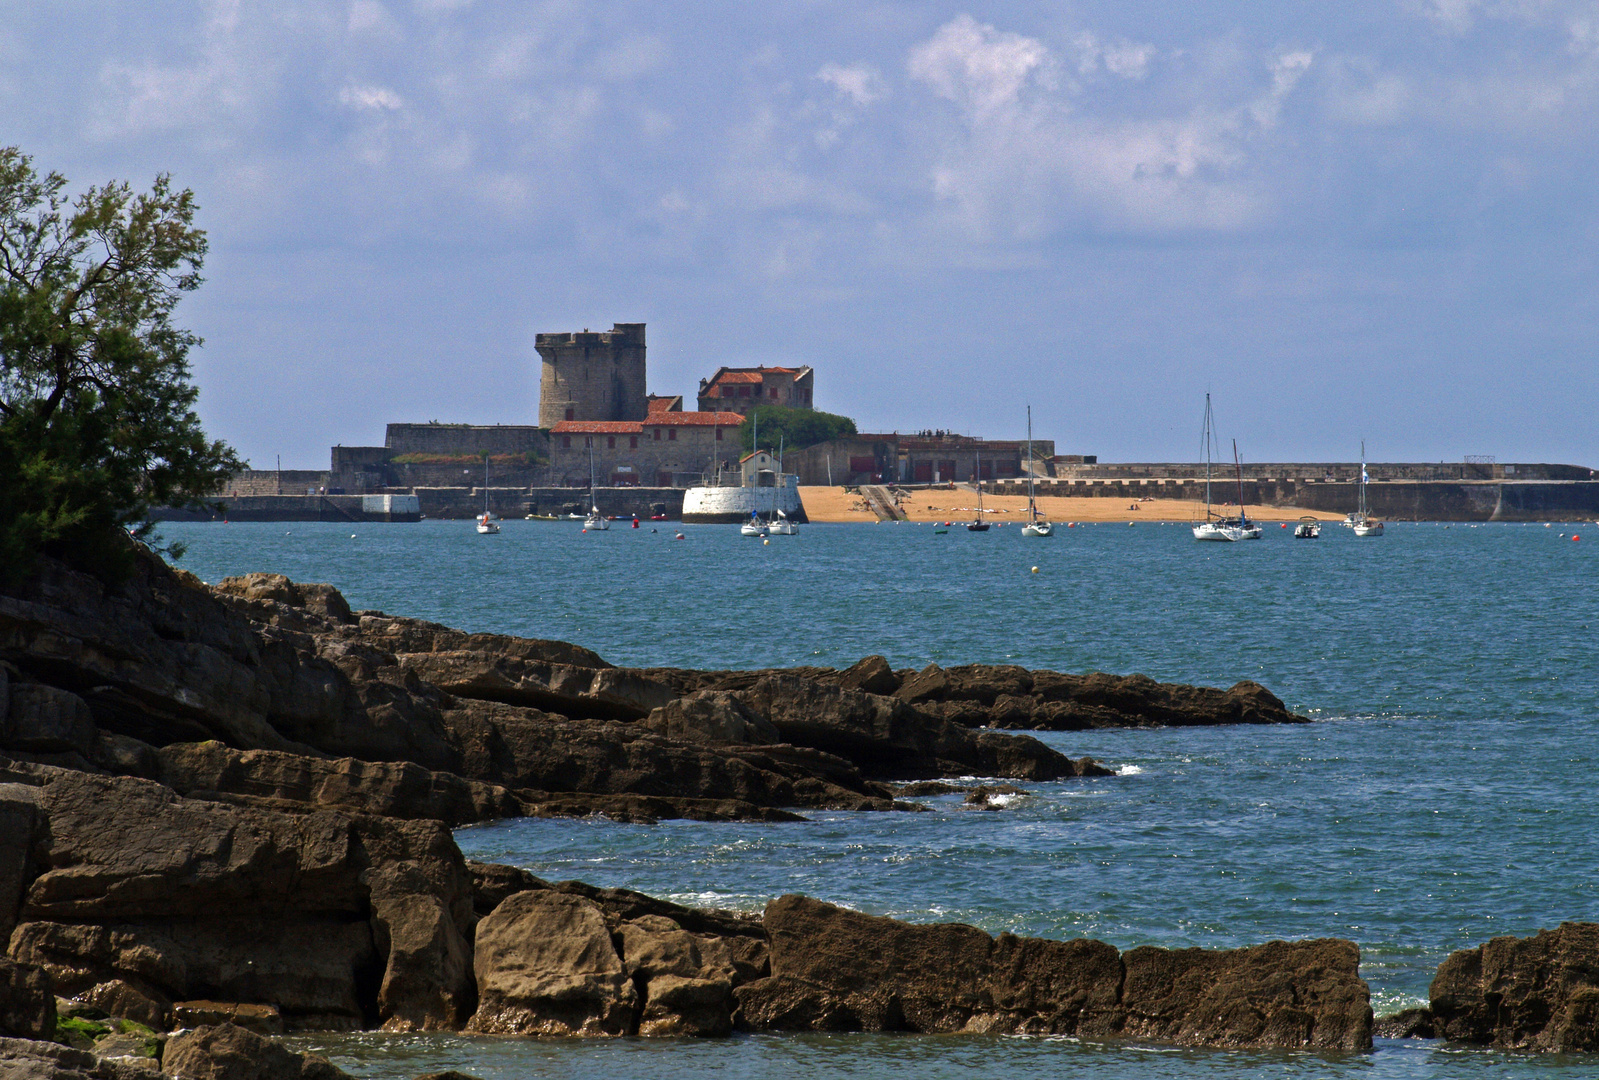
(1373, 220)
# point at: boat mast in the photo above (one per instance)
(1240, 468)
(1362, 479)
(1206, 437)
(1032, 508)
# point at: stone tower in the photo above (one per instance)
(592, 376)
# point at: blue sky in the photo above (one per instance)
(1368, 220)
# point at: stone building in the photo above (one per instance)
(741, 389)
(592, 375)
(928, 457)
(666, 449)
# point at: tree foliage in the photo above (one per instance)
(794, 428)
(97, 421)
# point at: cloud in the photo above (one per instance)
(1127, 59)
(974, 64)
(1031, 157)
(370, 97)
(861, 83)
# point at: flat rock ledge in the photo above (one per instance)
(265, 691)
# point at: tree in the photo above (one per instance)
(798, 428)
(97, 421)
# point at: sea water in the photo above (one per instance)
(1443, 794)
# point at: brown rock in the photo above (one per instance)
(872, 675)
(401, 635)
(838, 970)
(229, 1052)
(27, 1002)
(27, 1059)
(185, 898)
(389, 789)
(545, 966)
(1100, 700)
(141, 1004)
(928, 684)
(1406, 1024)
(1532, 993)
(713, 717)
(527, 749)
(987, 683)
(44, 719)
(261, 1019)
(21, 823)
(598, 693)
(887, 738)
(1287, 994)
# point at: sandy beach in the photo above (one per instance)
(942, 504)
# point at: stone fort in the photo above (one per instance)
(593, 403)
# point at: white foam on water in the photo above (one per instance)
(1129, 770)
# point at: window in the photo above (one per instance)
(569, 412)
(610, 442)
(657, 434)
(671, 435)
(588, 440)
(566, 442)
(718, 434)
(774, 393)
(632, 442)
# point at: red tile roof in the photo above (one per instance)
(659, 403)
(695, 419)
(737, 377)
(598, 427)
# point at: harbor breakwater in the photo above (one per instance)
(459, 503)
(1394, 500)
(240, 797)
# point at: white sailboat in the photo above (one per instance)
(755, 526)
(1034, 526)
(779, 524)
(486, 525)
(977, 524)
(1217, 526)
(595, 522)
(1362, 521)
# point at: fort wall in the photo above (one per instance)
(592, 376)
(466, 440)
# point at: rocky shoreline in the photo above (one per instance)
(230, 808)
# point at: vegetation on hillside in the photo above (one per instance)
(97, 421)
(794, 428)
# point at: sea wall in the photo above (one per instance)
(1538, 500)
(301, 508)
(729, 505)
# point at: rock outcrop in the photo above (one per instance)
(228, 809)
(839, 970)
(27, 1001)
(229, 1052)
(1532, 993)
(338, 921)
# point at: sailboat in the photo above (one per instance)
(1362, 521)
(486, 524)
(1216, 526)
(1034, 526)
(977, 524)
(596, 520)
(755, 526)
(779, 524)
